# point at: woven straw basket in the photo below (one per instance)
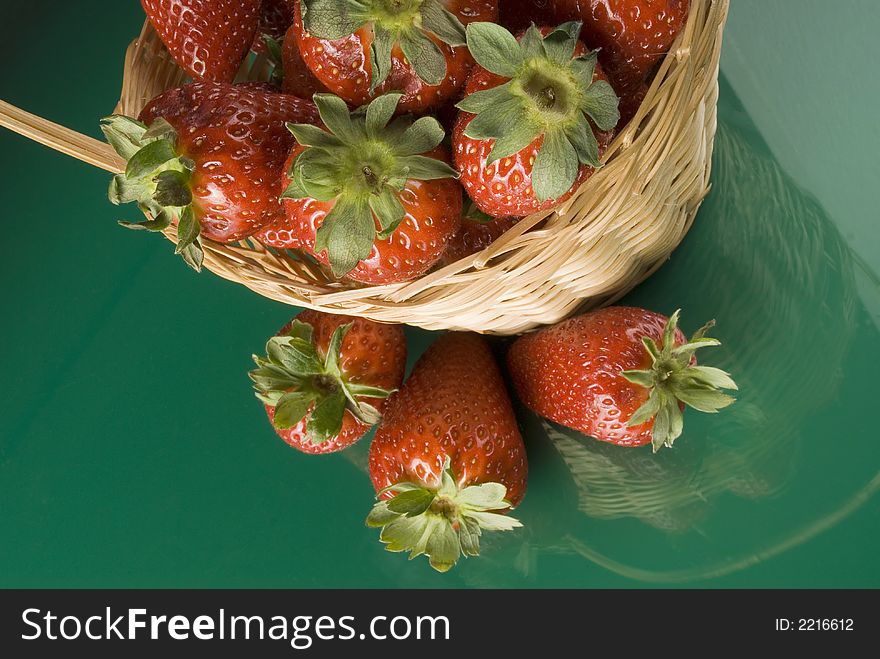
(613, 233)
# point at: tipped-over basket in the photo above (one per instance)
(615, 231)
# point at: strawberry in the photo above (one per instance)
(325, 378)
(360, 49)
(362, 199)
(604, 374)
(208, 154)
(448, 456)
(207, 38)
(633, 35)
(276, 17)
(527, 134)
(476, 233)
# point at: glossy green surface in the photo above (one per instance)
(132, 452)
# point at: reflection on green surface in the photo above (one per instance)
(133, 454)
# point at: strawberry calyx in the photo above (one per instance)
(296, 380)
(361, 162)
(403, 23)
(443, 522)
(674, 378)
(156, 178)
(549, 92)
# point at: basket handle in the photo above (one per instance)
(62, 139)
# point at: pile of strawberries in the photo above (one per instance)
(448, 460)
(393, 136)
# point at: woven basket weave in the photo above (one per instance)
(613, 233)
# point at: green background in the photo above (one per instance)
(132, 452)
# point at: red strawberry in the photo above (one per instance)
(276, 16)
(209, 154)
(361, 197)
(620, 374)
(448, 456)
(527, 134)
(325, 378)
(207, 38)
(633, 35)
(415, 47)
(476, 233)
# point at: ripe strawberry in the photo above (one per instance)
(604, 374)
(361, 199)
(207, 38)
(276, 16)
(325, 378)
(361, 49)
(633, 35)
(448, 456)
(476, 233)
(527, 134)
(209, 154)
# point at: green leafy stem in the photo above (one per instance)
(361, 163)
(443, 523)
(409, 24)
(548, 92)
(157, 179)
(297, 381)
(673, 378)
